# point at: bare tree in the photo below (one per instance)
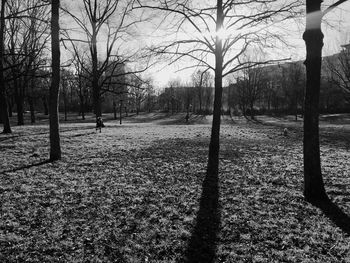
(250, 86)
(110, 16)
(80, 62)
(202, 80)
(314, 190)
(55, 147)
(211, 45)
(27, 39)
(339, 71)
(293, 81)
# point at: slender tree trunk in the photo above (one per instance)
(55, 147)
(314, 190)
(9, 103)
(3, 101)
(214, 146)
(46, 109)
(31, 107)
(95, 87)
(252, 111)
(120, 111)
(65, 102)
(20, 108)
(82, 108)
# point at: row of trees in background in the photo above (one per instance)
(274, 89)
(264, 89)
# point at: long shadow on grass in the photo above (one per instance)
(202, 244)
(26, 166)
(336, 215)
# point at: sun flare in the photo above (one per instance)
(222, 34)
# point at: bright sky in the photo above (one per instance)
(336, 28)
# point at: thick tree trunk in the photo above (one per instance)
(214, 146)
(314, 190)
(3, 101)
(55, 148)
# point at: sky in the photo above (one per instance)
(336, 28)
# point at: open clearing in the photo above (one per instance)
(132, 193)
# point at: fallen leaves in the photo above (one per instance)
(132, 193)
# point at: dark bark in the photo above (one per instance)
(314, 190)
(46, 109)
(31, 107)
(3, 100)
(214, 146)
(20, 109)
(55, 148)
(120, 111)
(9, 103)
(95, 78)
(82, 107)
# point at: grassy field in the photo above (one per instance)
(138, 192)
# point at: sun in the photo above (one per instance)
(222, 34)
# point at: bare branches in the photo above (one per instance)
(245, 24)
(331, 7)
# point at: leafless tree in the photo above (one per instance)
(293, 82)
(203, 35)
(251, 84)
(339, 71)
(202, 81)
(314, 190)
(112, 17)
(27, 39)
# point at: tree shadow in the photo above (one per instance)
(26, 166)
(335, 214)
(202, 244)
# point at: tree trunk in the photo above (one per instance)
(46, 109)
(82, 108)
(31, 107)
(252, 111)
(214, 146)
(95, 85)
(65, 102)
(120, 111)
(9, 103)
(3, 101)
(314, 190)
(55, 148)
(20, 108)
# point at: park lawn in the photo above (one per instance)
(132, 193)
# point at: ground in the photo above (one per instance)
(135, 192)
